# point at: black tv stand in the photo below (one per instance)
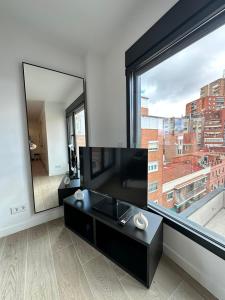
(137, 252)
(111, 207)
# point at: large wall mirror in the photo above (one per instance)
(55, 105)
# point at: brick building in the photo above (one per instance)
(215, 88)
(184, 182)
(187, 154)
(203, 104)
(217, 171)
(213, 128)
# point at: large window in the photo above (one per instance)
(178, 112)
(76, 134)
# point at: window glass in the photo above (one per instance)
(79, 131)
(152, 166)
(153, 145)
(152, 187)
(182, 123)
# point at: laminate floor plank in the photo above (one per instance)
(12, 267)
(189, 280)
(84, 251)
(166, 277)
(48, 262)
(103, 280)
(71, 279)
(136, 290)
(59, 235)
(185, 292)
(2, 243)
(41, 280)
(45, 187)
(120, 273)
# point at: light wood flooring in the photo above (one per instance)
(45, 187)
(50, 262)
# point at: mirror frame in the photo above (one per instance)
(27, 124)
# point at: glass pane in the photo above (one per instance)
(182, 123)
(70, 131)
(79, 131)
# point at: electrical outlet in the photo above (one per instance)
(23, 208)
(16, 210)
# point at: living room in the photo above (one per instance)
(98, 42)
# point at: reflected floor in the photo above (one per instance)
(45, 187)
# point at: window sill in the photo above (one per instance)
(190, 230)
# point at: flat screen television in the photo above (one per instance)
(119, 174)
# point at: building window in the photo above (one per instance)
(153, 166)
(152, 187)
(169, 196)
(153, 145)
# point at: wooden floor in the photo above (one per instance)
(45, 187)
(49, 262)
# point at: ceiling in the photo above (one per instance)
(47, 85)
(82, 25)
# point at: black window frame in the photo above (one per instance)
(186, 22)
(78, 105)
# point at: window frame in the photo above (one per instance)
(77, 106)
(155, 165)
(186, 22)
(157, 185)
(169, 198)
(153, 149)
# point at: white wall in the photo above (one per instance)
(106, 95)
(15, 179)
(201, 264)
(56, 138)
(96, 100)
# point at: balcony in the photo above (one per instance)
(212, 126)
(183, 197)
(209, 212)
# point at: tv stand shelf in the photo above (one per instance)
(137, 252)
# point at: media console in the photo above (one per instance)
(137, 252)
(67, 190)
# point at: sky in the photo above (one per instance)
(177, 80)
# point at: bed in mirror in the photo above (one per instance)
(53, 144)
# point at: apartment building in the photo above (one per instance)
(202, 104)
(213, 128)
(215, 88)
(217, 171)
(184, 182)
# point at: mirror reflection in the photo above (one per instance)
(53, 149)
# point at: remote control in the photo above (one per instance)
(125, 219)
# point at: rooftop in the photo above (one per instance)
(173, 171)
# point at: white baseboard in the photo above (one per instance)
(34, 220)
(202, 278)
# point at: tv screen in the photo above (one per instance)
(120, 173)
